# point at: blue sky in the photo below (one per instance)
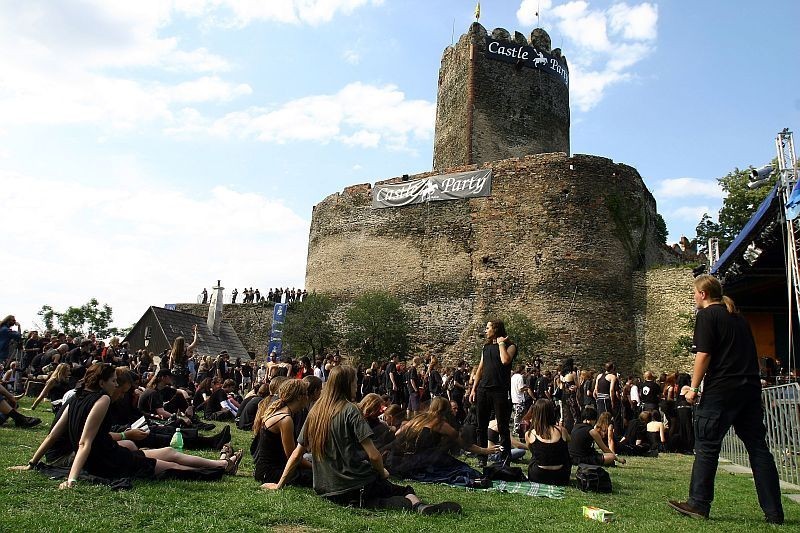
(149, 148)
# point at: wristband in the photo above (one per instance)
(72, 480)
(694, 389)
(123, 435)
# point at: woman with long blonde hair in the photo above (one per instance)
(338, 437)
(273, 430)
(56, 386)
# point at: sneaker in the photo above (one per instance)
(28, 422)
(685, 509)
(439, 508)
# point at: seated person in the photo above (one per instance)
(334, 432)
(161, 399)
(314, 385)
(583, 438)
(656, 432)
(8, 409)
(85, 422)
(635, 441)
(395, 417)
(273, 430)
(216, 407)
(493, 437)
(421, 449)
(550, 462)
(606, 430)
(249, 407)
(56, 386)
(371, 406)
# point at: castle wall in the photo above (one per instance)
(489, 110)
(559, 240)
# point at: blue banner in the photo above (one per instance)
(275, 347)
(279, 313)
(793, 205)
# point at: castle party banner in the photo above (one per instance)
(528, 56)
(436, 188)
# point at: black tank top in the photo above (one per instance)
(270, 459)
(549, 453)
(603, 385)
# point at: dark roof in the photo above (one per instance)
(178, 324)
(762, 228)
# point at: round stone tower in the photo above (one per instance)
(500, 97)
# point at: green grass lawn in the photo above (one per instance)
(32, 502)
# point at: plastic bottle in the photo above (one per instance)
(177, 440)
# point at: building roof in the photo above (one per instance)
(178, 324)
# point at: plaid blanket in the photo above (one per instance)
(527, 488)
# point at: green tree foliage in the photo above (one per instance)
(738, 206)
(683, 344)
(308, 325)
(661, 229)
(91, 317)
(377, 326)
(528, 337)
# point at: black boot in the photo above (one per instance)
(23, 421)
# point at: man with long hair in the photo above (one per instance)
(338, 436)
(492, 385)
(727, 366)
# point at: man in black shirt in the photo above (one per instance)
(727, 365)
(492, 387)
(393, 382)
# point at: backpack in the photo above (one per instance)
(593, 478)
(502, 472)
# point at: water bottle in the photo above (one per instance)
(177, 440)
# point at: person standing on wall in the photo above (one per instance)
(492, 385)
(727, 365)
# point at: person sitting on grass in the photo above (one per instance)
(334, 432)
(656, 432)
(548, 442)
(605, 428)
(161, 399)
(273, 430)
(421, 449)
(583, 438)
(249, 407)
(8, 409)
(635, 442)
(371, 406)
(86, 422)
(56, 386)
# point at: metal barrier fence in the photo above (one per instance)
(782, 418)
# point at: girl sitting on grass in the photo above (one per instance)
(335, 432)
(86, 421)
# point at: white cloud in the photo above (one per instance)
(243, 12)
(688, 188)
(358, 115)
(136, 239)
(351, 56)
(691, 214)
(604, 44)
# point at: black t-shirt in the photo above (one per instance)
(728, 340)
(649, 392)
(581, 443)
(495, 375)
(214, 404)
(391, 370)
(247, 371)
(412, 379)
(247, 412)
(150, 401)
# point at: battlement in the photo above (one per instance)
(500, 96)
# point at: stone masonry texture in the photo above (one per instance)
(515, 111)
(566, 241)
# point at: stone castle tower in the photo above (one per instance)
(563, 239)
(500, 97)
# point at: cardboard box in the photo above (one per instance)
(595, 513)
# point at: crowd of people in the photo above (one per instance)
(255, 296)
(345, 430)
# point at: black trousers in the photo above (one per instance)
(500, 401)
(716, 413)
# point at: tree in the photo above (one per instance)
(308, 326)
(377, 326)
(91, 317)
(528, 337)
(661, 230)
(738, 206)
